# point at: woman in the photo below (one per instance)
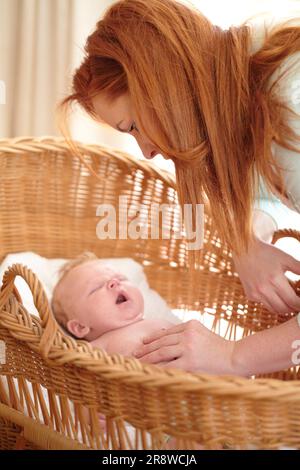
(210, 100)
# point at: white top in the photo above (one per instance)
(289, 90)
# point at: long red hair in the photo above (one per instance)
(200, 96)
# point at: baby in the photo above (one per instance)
(91, 301)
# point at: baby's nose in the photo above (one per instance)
(113, 283)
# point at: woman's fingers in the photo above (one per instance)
(162, 333)
(274, 303)
(268, 306)
(280, 297)
(163, 354)
(266, 282)
(169, 340)
(291, 264)
(176, 363)
(180, 363)
(288, 296)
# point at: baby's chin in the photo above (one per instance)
(133, 308)
(133, 314)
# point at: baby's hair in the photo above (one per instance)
(56, 305)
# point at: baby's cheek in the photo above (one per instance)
(142, 303)
(139, 301)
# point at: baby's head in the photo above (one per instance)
(91, 298)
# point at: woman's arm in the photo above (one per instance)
(268, 351)
(193, 347)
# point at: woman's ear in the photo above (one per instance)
(77, 329)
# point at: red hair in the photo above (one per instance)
(200, 96)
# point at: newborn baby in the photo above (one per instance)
(91, 301)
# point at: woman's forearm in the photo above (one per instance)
(268, 351)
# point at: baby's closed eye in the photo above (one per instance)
(99, 286)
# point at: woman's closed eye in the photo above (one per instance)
(133, 127)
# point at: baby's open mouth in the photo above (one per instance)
(121, 299)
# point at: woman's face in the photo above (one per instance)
(119, 115)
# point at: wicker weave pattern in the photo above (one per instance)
(48, 205)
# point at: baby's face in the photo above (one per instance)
(99, 298)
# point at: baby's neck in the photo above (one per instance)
(121, 330)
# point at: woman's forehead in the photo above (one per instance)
(111, 112)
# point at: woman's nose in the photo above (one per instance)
(151, 155)
(148, 149)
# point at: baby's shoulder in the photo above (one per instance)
(156, 323)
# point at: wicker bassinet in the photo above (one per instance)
(48, 206)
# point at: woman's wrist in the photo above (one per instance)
(233, 364)
(267, 351)
(237, 362)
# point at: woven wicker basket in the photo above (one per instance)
(48, 205)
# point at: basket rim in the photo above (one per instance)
(15, 145)
(20, 324)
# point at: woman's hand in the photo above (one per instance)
(261, 271)
(189, 346)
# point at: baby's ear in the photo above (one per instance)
(77, 329)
